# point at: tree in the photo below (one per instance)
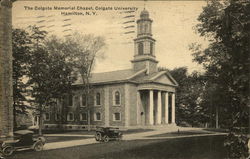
(190, 90)
(227, 62)
(21, 41)
(49, 72)
(85, 49)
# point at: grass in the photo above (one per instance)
(92, 132)
(181, 133)
(216, 130)
(209, 147)
(130, 131)
(50, 139)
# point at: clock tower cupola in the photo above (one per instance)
(144, 54)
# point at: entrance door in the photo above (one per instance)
(142, 114)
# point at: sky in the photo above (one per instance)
(173, 27)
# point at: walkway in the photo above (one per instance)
(134, 136)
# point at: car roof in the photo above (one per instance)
(23, 132)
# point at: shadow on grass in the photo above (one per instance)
(209, 147)
(50, 139)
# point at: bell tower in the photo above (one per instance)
(144, 54)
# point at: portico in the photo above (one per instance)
(155, 107)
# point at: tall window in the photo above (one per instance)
(117, 117)
(57, 117)
(76, 101)
(98, 99)
(47, 116)
(65, 100)
(117, 98)
(70, 99)
(70, 117)
(83, 116)
(97, 116)
(84, 100)
(140, 48)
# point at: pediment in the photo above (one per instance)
(165, 78)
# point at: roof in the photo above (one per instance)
(23, 132)
(158, 77)
(112, 76)
(128, 75)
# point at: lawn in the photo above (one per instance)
(181, 133)
(92, 132)
(209, 147)
(50, 139)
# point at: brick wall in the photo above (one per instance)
(6, 92)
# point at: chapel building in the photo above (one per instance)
(140, 96)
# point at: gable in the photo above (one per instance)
(165, 80)
(164, 77)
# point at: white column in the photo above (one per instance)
(173, 108)
(37, 121)
(166, 108)
(138, 108)
(159, 114)
(151, 107)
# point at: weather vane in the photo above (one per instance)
(144, 3)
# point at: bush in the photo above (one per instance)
(237, 145)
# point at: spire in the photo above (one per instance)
(144, 24)
(144, 44)
(144, 14)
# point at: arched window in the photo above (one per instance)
(76, 101)
(140, 48)
(98, 99)
(70, 100)
(57, 117)
(117, 98)
(70, 117)
(46, 116)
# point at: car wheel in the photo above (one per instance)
(38, 146)
(106, 138)
(8, 150)
(98, 136)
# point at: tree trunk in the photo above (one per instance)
(14, 116)
(217, 117)
(249, 122)
(88, 120)
(88, 104)
(40, 120)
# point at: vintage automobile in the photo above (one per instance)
(23, 139)
(106, 134)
